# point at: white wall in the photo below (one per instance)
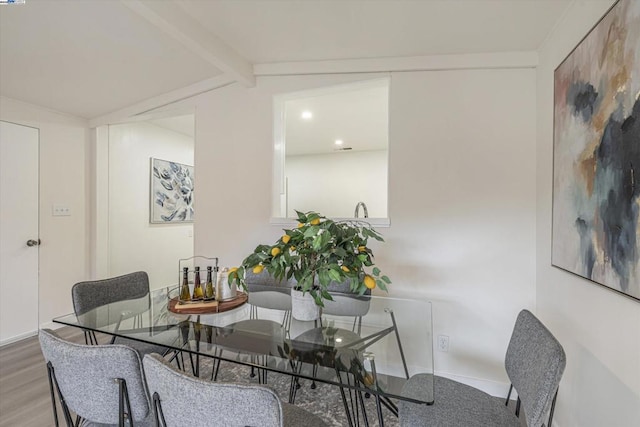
(134, 243)
(599, 329)
(461, 197)
(333, 184)
(64, 252)
(462, 208)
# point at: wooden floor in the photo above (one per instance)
(24, 387)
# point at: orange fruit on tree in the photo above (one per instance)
(275, 251)
(286, 238)
(369, 281)
(362, 248)
(315, 221)
(345, 268)
(258, 269)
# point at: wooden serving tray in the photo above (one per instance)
(207, 307)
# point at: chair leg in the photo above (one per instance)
(157, 411)
(176, 358)
(215, 366)
(296, 367)
(90, 337)
(53, 396)
(518, 407)
(363, 409)
(124, 404)
(65, 408)
(553, 407)
(315, 373)
(506, 402)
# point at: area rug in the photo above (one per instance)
(324, 401)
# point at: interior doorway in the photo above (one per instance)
(19, 240)
(136, 239)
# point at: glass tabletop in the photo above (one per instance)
(369, 343)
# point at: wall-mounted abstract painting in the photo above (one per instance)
(596, 154)
(171, 192)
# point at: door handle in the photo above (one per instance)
(32, 242)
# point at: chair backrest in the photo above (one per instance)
(265, 281)
(86, 376)
(345, 302)
(187, 400)
(268, 292)
(535, 361)
(91, 294)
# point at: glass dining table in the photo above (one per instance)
(368, 353)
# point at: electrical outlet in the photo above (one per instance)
(61, 210)
(443, 343)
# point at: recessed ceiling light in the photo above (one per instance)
(307, 115)
(339, 142)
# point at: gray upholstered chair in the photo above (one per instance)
(92, 294)
(346, 303)
(180, 399)
(534, 363)
(268, 292)
(264, 291)
(101, 384)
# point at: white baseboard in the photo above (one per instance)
(17, 338)
(48, 325)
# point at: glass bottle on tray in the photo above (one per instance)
(185, 295)
(198, 293)
(208, 293)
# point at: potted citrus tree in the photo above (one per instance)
(317, 252)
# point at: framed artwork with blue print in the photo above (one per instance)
(596, 154)
(171, 192)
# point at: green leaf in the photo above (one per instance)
(335, 276)
(340, 252)
(386, 279)
(312, 215)
(317, 243)
(381, 285)
(355, 283)
(324, 276)
(311, 231)
(377, 237)
(326, 295)
(376, 271)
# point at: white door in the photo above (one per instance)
(19, 150)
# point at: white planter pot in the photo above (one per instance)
(303, 306)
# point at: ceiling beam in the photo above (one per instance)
(151, 104)
(472, 61)
(171, 18)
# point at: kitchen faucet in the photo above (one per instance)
(364, 208)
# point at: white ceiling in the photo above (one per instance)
(356, 114)
(184, 124)
(93, 57)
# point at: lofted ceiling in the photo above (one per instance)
(90, 58)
